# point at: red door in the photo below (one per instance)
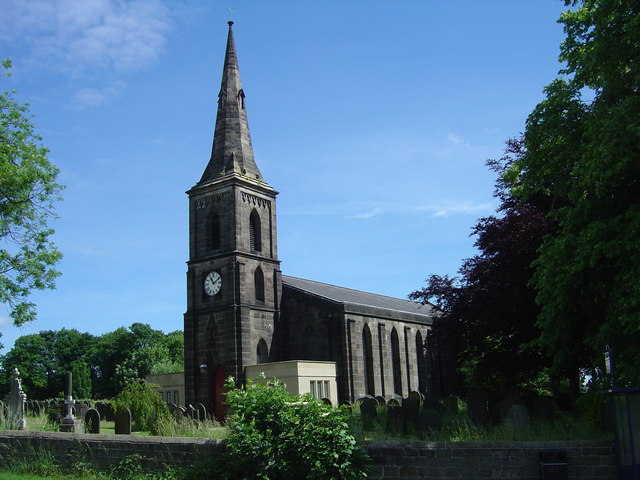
(217, 379)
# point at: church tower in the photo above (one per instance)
(233, 280)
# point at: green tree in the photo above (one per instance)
(28, 191)
(582, 152)
(43, 359)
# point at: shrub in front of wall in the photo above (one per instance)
(276, 436)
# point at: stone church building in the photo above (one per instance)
(242, 310)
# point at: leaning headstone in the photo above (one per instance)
(411, 407)
(123, 422)
(92, 421)
(395, 419)
(202, 412)
(428, 420)
(16, 404)
(518, 417)
(192, 412)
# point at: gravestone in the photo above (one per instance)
(394, 402)
(368, 407)
(123, 422)
(544, 407)
(432, 402)
(16, 404)
(202, 412)
(395, 419)
(428, 420)
(381, 400)
(411, 407)
(518, 417)
(35, 408)
(69, 422)
(450, 403)
(346, 404)
(92, 421)
(477, 408)
(500, 410)
(327, 401)
(192, 412)
(417, 395)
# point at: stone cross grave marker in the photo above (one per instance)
(123, 421)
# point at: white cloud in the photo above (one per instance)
(455, 138)
(95, 97)
(5, 321)
(74, 35)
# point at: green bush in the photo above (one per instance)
(146, 405)
(276, 436)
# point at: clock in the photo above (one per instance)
(212, 283)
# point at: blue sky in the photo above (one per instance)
(373, 119)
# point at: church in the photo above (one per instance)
(243, 311)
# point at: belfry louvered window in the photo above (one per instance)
(214, 231)
(258, 278)
(255, 232)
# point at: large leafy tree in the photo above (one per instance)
(44, 357)
(489, 312)
(582, 152)
(28, 191)
(101, 366)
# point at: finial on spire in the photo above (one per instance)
(231, 10)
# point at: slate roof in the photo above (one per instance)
(347, 296)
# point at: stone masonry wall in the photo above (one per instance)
(586, 460)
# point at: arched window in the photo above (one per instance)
(263, 351)
(258, 281)
(214, 231)
(420, 361)
(369, 386)
(255, 232)
(395, 362)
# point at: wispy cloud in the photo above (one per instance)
(441, 209)
(90, 252)
(96, 97)
(5, 321)
(115, 35)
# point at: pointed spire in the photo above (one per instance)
(232, 152)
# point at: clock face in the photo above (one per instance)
(212, 283)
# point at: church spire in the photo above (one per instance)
(232, 152)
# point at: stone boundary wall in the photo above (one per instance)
(586, 460)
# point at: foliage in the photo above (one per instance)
(44, 357)
(582, 156)
(28, 191)
(101, 366)
(273, 435)
(489, 313)
(146, 405)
